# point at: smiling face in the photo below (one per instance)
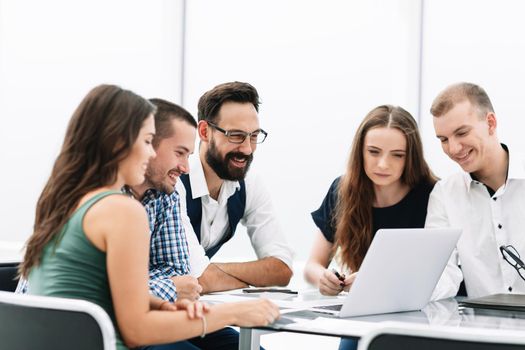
(133, 167)
(465, 135)
(172, 157)
(230, 161)
(384, 155)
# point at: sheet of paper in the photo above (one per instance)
(302, 303)
(224, 298)
(283, 300)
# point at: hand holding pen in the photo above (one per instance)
(331, 282)
(341, 278)
(346, 281)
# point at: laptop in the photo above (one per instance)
(399, 272)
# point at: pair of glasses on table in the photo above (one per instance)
(511, 255)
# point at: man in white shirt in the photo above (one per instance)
(219, 194)
(486, 200)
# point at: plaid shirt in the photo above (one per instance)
(169, 254)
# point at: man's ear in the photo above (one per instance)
(492, 123)
(203, 130)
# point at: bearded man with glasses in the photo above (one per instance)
(219, 193)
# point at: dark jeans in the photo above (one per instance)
(224, 339)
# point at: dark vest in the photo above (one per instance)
(235, 206)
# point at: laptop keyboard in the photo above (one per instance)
(331, 307)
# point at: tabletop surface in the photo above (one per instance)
(446, 313)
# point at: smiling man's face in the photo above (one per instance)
(231, 161)
(464, 132)
(172, 157)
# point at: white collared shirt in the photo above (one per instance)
(259, 218)
(487, 223)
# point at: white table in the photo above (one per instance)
(444, 314)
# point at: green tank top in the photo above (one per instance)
(72, 267)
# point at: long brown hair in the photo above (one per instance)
(353, 219)
(100, 134)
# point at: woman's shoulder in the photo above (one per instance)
(335, 184)
(117, 207)
(421, 192)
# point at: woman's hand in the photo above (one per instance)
(253, 313)
(349, 280)
(194, 309)
(330, 284)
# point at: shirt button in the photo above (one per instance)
(510, 289)
(499, 226)
(494, 198)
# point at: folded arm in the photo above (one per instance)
(214, 279)
(264, 272)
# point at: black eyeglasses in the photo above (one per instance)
(238, 136)
(511, 255)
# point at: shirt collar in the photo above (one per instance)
(199, 187)
(150, 194)
(516, 168)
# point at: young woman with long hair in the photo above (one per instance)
(386, 185)
(91, 242)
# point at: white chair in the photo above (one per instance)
(412, 337)
(36, 322)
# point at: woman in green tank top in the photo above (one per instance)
(91, 242)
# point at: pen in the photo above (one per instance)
(339, 277)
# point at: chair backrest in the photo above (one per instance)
(412, 337)
(36, 322)
(8, 279)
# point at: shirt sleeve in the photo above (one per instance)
(323, 217)
(169, 255)
(161, 285)
(448, 284)
(198, 259)
(264, 230)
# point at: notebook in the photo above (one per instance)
(513, 302)
(398, 273)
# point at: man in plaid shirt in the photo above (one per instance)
(169, 270)
(176, 259)
(169, 256)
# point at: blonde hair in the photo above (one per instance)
(456, 93)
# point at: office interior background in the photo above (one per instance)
(319, 67)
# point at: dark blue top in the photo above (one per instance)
(410, 212)
(236, 206)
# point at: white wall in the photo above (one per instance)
(480, 42)
(319, 66)
(51, 54)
